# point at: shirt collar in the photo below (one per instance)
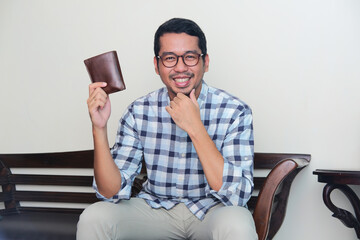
(203, 94)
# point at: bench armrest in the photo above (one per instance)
(272, 200)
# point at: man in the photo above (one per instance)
(197, 143)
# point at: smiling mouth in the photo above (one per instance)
(181, 80)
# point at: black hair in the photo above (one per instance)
(180, 25)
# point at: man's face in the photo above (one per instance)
(181, 78)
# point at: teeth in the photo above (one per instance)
(180, 80)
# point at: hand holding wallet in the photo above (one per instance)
(106, 68)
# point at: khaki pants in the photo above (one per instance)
(135, 219)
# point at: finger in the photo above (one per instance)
(181, 96)
(193, 97)
(96, 107)
(106, 102)
(95, 103)
(169, 110)
(172, 104)
(175, 100)
(97, 97)
(98, 93)
(96, 85)
(92, 98)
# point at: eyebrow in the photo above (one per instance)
(168, 53)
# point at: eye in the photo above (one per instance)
(169, 58)
(190, 57)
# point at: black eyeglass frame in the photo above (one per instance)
(182, 56)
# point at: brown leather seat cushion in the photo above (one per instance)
(40, 225)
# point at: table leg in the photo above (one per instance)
(344, 216)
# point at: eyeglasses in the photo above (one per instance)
(170, 60)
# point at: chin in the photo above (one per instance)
(185, 92)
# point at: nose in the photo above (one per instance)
(180, 66)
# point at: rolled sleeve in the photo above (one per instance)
(238, 154)
(127, 154)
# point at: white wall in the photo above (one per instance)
(296, 63)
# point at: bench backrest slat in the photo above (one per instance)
(63, 197)
(259, 182)
(270, 160)
(77, 159)
(53, 180)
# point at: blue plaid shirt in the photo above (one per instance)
(146, 131)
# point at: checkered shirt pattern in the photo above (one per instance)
(146, 131)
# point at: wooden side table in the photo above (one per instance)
(337, 179)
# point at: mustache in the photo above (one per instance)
(181, 74)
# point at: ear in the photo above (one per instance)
(206, 63)
(156, 65)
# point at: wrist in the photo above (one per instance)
(197, 132)
(99, 131)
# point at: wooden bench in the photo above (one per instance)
(19, 220)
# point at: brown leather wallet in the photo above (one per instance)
(106, 68)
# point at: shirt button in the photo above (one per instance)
(183, 155)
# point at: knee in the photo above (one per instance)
(232, 222)
(93, 222)
(94, 215)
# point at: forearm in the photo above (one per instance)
(211, 159)
(107, 174)
(185, 113)
(238, 152)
